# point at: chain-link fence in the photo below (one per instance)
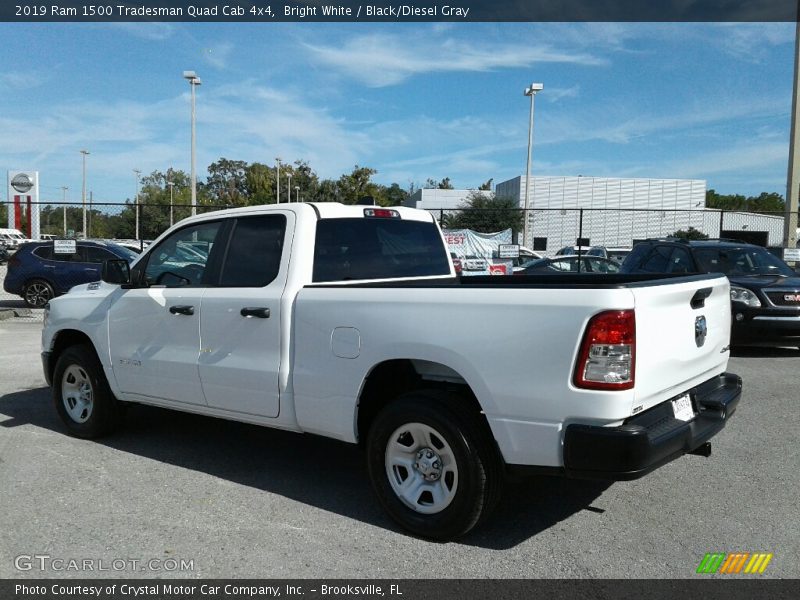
(549, 230)
(552, 229)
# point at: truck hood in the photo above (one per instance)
(762, 282)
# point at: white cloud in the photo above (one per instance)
(218, 55)
(382, 59)
(150, 30)
(20, 80)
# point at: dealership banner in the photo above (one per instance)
(479, 253)
(23, 201)
(465, 242)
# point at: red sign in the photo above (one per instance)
(498, 270)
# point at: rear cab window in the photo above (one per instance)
(377, 248)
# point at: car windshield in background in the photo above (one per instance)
(738, 262)
(377, 248)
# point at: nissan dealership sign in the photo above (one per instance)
(22, 183)
(23, 199)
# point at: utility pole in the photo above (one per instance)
(793, 178)
(83, 191)
(137, 172)
(64, 189)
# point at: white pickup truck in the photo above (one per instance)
(349, 322)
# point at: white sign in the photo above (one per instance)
(508, 251)
(791, 254)
(64, 247)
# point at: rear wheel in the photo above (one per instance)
(81, 394)
(37, 293)
(433, 465)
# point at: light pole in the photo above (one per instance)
(297, 193)
(277, 180)
(83, 191)
(64, 189)
(289, 186)
(194, 81)
(137, 172)
(171, 185)
(530, 91)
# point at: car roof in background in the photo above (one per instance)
(710, 243)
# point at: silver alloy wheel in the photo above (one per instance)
(421, 468)
(77, 393)
(37, 294)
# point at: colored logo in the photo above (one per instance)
(734, 562)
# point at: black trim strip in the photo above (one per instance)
(582, 281)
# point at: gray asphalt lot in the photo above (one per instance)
(244, 501)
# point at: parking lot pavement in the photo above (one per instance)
(243, 501)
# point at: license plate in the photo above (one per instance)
(682, 408)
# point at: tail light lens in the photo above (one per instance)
(457, 265)
(607, 357)
(14, 261)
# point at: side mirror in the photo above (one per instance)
(116, 271)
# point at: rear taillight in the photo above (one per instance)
(14, 261)
(607, 356)
(457, 265)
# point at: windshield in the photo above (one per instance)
(742, 262)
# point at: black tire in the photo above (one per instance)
(37, 293)
(465, 498)
(79, 375)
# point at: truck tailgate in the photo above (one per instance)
(682, 336)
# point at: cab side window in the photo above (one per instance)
(254, 253)
(182, 259)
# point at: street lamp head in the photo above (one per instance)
(277, 159)
(535, 87)
(85, 152)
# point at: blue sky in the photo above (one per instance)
(707, 101)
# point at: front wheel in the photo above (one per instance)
(433, 464)
(81, 394)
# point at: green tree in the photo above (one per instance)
(767, 202)
(260, 184)
(486, 186)
(357, 184)
(690, 234)
(395, 195)
(327, 191)
(486, 213)
(227, 182)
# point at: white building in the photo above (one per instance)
(607, 211)
(436, 200)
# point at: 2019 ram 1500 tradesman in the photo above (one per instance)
(349, 322)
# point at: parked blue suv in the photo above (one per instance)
(38, 274)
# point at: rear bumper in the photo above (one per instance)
(651, 439)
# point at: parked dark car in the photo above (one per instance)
(569, 264)
(765, 291)
(37, 274)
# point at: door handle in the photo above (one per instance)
(255, 311)
(181, 310)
